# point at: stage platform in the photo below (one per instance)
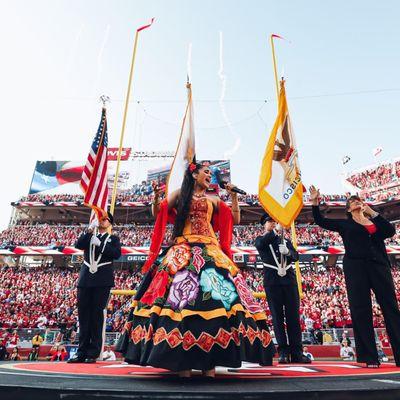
(116, 380)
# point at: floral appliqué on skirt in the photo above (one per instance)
(194, 310)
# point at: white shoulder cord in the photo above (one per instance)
(281, 266)
(95, 263)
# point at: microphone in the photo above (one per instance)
(222, 183)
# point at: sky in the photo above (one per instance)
(341, 62)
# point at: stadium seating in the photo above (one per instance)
(140, 235)
(45, 298)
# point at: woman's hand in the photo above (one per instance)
(229, 187)
(156, 199)
(314, 195)
(235, 203)
(368, 211)
(157, 192)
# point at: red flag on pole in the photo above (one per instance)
(145, 26)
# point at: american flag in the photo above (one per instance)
(94, 177)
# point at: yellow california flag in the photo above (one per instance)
(280, 189)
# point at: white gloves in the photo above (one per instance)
(283, 249)
(95, 240)
(94, 224)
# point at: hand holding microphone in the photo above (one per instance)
(229, 187)
(368, 211)
(226, 185)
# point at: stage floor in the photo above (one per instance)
(116, 380)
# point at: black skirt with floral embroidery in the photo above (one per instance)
(194, 310)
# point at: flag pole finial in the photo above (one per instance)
(104, 99)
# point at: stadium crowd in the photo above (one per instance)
(377, 176)
(378, 183)
(245, 235)
(383, 195)
(58, 235)
(46, 298)
(147, 197)
(376, 195)
(40, 235)
(48, 200)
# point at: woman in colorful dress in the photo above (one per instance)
(193, 309)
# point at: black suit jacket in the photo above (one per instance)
(104, 277)
(357, 241)
(271, 276)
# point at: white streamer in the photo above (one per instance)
(72, 53)
(100, 58)
(230, 152)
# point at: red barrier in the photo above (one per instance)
(328, 351)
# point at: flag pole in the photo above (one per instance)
(128, 93)
(121, 139)
(274, 64)
(292, 227)
(297, 264)
(280, 272)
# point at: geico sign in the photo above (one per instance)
(136, 258)
(112, 153)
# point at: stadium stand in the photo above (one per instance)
(44, 298)
(40, 296)
(56, 235)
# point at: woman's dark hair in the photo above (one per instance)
(184, 201)
(348, 201)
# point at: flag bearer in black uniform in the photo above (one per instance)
(366, 267)
(95, 282)
(281, 289)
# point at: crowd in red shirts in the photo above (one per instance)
(382, 195)
(377, 176)
(46, 298)
(307, 234)
(40, 235)
(49, 199)
(146, 198)
(58, 235)
(324, 304)
(140, 235)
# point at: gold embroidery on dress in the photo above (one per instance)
(199, 219)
